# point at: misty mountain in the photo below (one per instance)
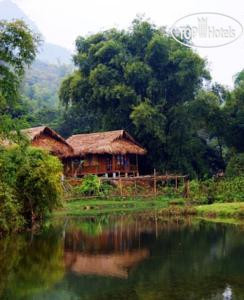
(41, 84)
(49, 53)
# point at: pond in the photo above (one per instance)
(124, 257)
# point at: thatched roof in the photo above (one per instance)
(110, 142)
(57, 145)
(35, 132)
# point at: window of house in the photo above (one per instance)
(121, 160)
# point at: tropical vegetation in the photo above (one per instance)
(140, 80)
(30, 179)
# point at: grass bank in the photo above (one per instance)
(226, 210)
(163, 205)
(88, 207)
(215, 211)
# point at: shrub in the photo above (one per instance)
(223, 190)
(38, 183)
(93, 186)
(10, 210)
(34, 178)
(90, 185)
(197, 192)
(235, 166)
(230, 190)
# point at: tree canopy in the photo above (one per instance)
(143, 81)
(18, 47)
(30, 184)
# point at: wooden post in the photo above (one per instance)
(120, 185)
(176, 183)
(72, 168)
(113, 166)
(113, 163)
(137, 170)
(155, 183)
(135, 186)
(186, 187)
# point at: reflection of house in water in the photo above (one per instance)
(94, 249)
(115, 265)
(111, 253)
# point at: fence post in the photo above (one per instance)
(120, 186)
(186, 187)
(155, 183)
(135, 188)
(176, 183)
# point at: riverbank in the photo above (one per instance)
(98, 206)
(162, 205)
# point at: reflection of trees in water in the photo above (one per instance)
(118, 235)
(138, 258)
(30, 265)
(186, 261)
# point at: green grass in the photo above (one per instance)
(87, 207)
(234, 210)
(163, 205)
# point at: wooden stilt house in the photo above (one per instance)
(104, 153)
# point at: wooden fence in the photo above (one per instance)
(154, 185)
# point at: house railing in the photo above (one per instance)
(97, 169)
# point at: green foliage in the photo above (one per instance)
(92, 186)
(221, 190)
(38, 183)
(10, 210)
(234, 119)
(32, 179)
(239, 77)
(18, 47)
(200, 192)
(142, 80)
(235, 166)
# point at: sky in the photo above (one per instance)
(61, 21)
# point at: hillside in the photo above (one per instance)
(42, 82)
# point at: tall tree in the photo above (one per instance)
(141, 80)
(18, 47)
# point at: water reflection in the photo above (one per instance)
(126, 257)
(115, 265)
(227, 294)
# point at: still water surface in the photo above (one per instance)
(125, 257)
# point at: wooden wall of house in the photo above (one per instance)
(97, 164)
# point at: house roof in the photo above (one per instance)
(34, 133)
(110, 142)
(36, 136)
